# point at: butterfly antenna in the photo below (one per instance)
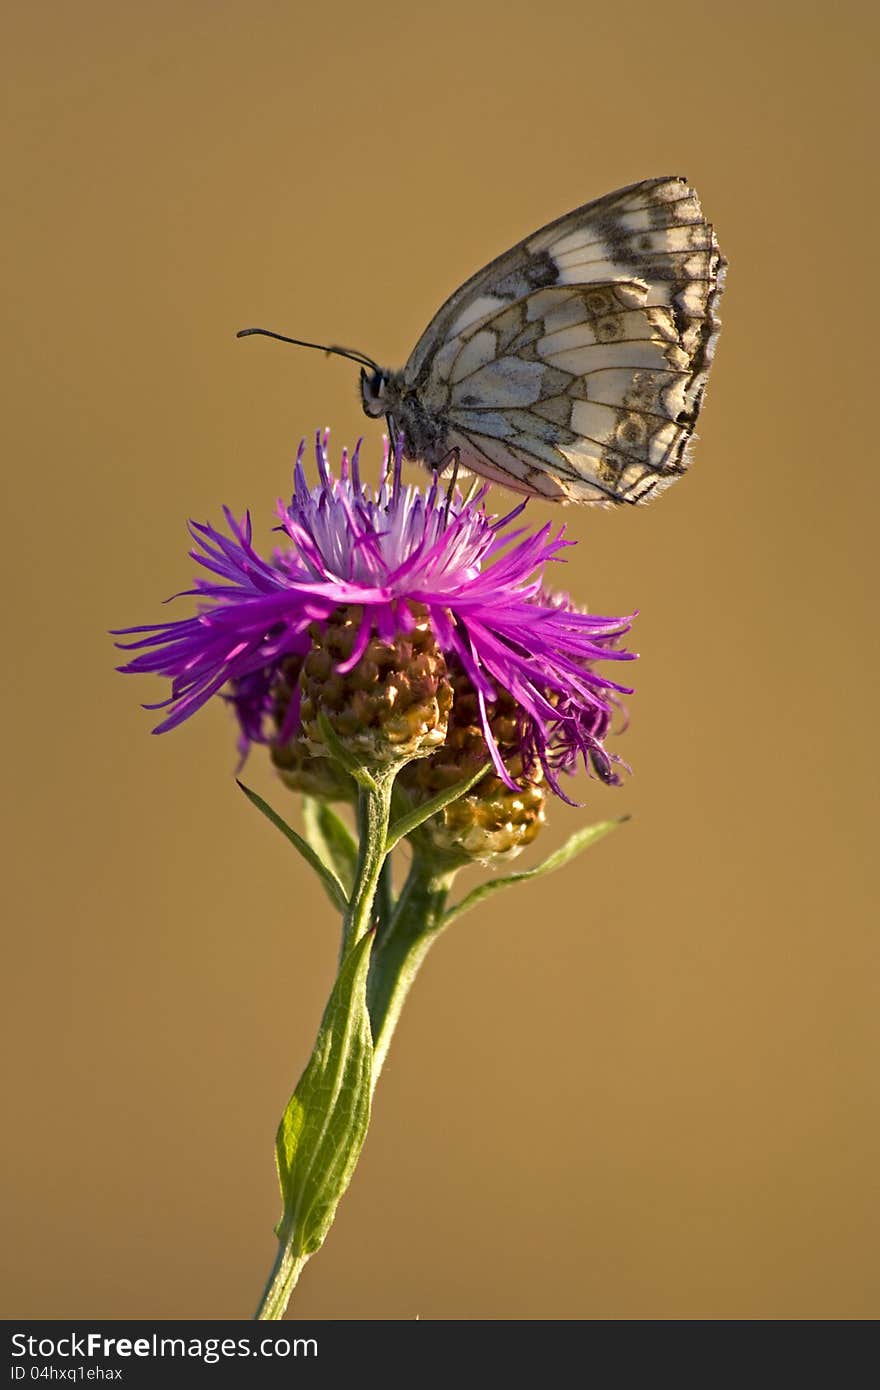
(351, 353)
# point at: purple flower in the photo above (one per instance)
(480, 582)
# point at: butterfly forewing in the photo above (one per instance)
(574, 365)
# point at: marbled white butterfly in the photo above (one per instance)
(572, 367)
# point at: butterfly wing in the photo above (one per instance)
(574, 365)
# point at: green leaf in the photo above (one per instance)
(331, 840)
(406, 824)
(576, 844)
(324, 1126)
(328, 878)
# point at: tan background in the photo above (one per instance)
(648, 1087)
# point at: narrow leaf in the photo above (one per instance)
(324, 1126)
(331, 840)
(328, 878)
(406, 824)
(576, 844)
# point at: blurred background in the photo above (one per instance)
(645, 1087)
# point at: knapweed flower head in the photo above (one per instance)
(378, 605)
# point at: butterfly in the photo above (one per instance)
(573, 366)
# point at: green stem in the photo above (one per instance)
(281, 1284)
(373, 812)
(349, 1045)
(398, 955)
(383, 909)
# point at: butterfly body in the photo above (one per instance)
(573, 367)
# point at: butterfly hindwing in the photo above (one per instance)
(586, 379)
(574, 365)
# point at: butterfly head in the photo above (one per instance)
(374, 392)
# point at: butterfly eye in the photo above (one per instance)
(373, 393)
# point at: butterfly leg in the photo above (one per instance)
(453, 457)
(392, 445)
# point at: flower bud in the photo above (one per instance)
(492, 822)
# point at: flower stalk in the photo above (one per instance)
(417, 922)
(280, 1285)
(373, 815)
(317, 1153)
